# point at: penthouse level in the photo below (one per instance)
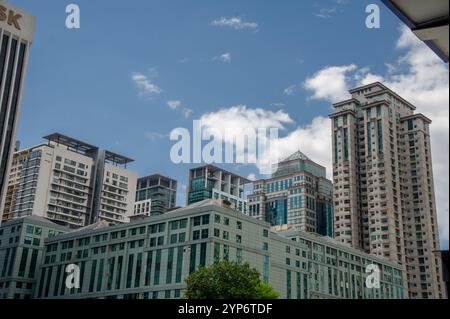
(152, 257)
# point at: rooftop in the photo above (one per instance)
(85, 148)
(296, 156)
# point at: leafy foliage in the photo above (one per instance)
(228, 280)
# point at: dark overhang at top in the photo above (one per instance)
(70, 142)
(427, 19)
(117, 158)
(85, 148)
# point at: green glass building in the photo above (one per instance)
(151, 258)
(297, 195)
(160, 190)
(21, 251)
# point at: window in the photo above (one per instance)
(205, 220)
(239, 225)
(197, 221)
(226, 235)
(196, 235)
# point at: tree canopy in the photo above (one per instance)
(228, 280)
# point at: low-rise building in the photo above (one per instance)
(152, 257)
(21, 251)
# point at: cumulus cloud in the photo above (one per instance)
(235, 22)
(145, 84)
(313, 139)
(243, 117)
(420, 77)
(330, 83)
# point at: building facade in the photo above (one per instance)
(211, 182)
(16, 36)
(383, 184)
(156, 192)
(298, 194)
(71, 183)
(21, 251)
(151, 258)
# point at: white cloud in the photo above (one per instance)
(421, 78)
(334, 7)
(145, 84)
(289, 90)
(235, 22)
(177, 105)
(173, 104)
(330, 83)
(226, 58)
(326, 13)
(251, 177)
(314, 139)
(241, 117)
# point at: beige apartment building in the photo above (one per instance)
(383, 196)
(71, 183)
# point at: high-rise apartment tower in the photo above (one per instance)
(384, 200)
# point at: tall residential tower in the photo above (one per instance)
(384, 199)
(16, 35)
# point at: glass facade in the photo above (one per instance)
(162, 192)
(313, 267)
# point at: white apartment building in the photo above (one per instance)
(70, 182)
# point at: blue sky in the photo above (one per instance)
(80, 82)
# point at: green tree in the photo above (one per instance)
(228, 280)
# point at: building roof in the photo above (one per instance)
(427, 19)
(70, 142)
(296, 156)
(37, 220)
(85, 148)
(157, 176)
(418, 115)
(215, 168)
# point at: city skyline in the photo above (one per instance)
(157, 87)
